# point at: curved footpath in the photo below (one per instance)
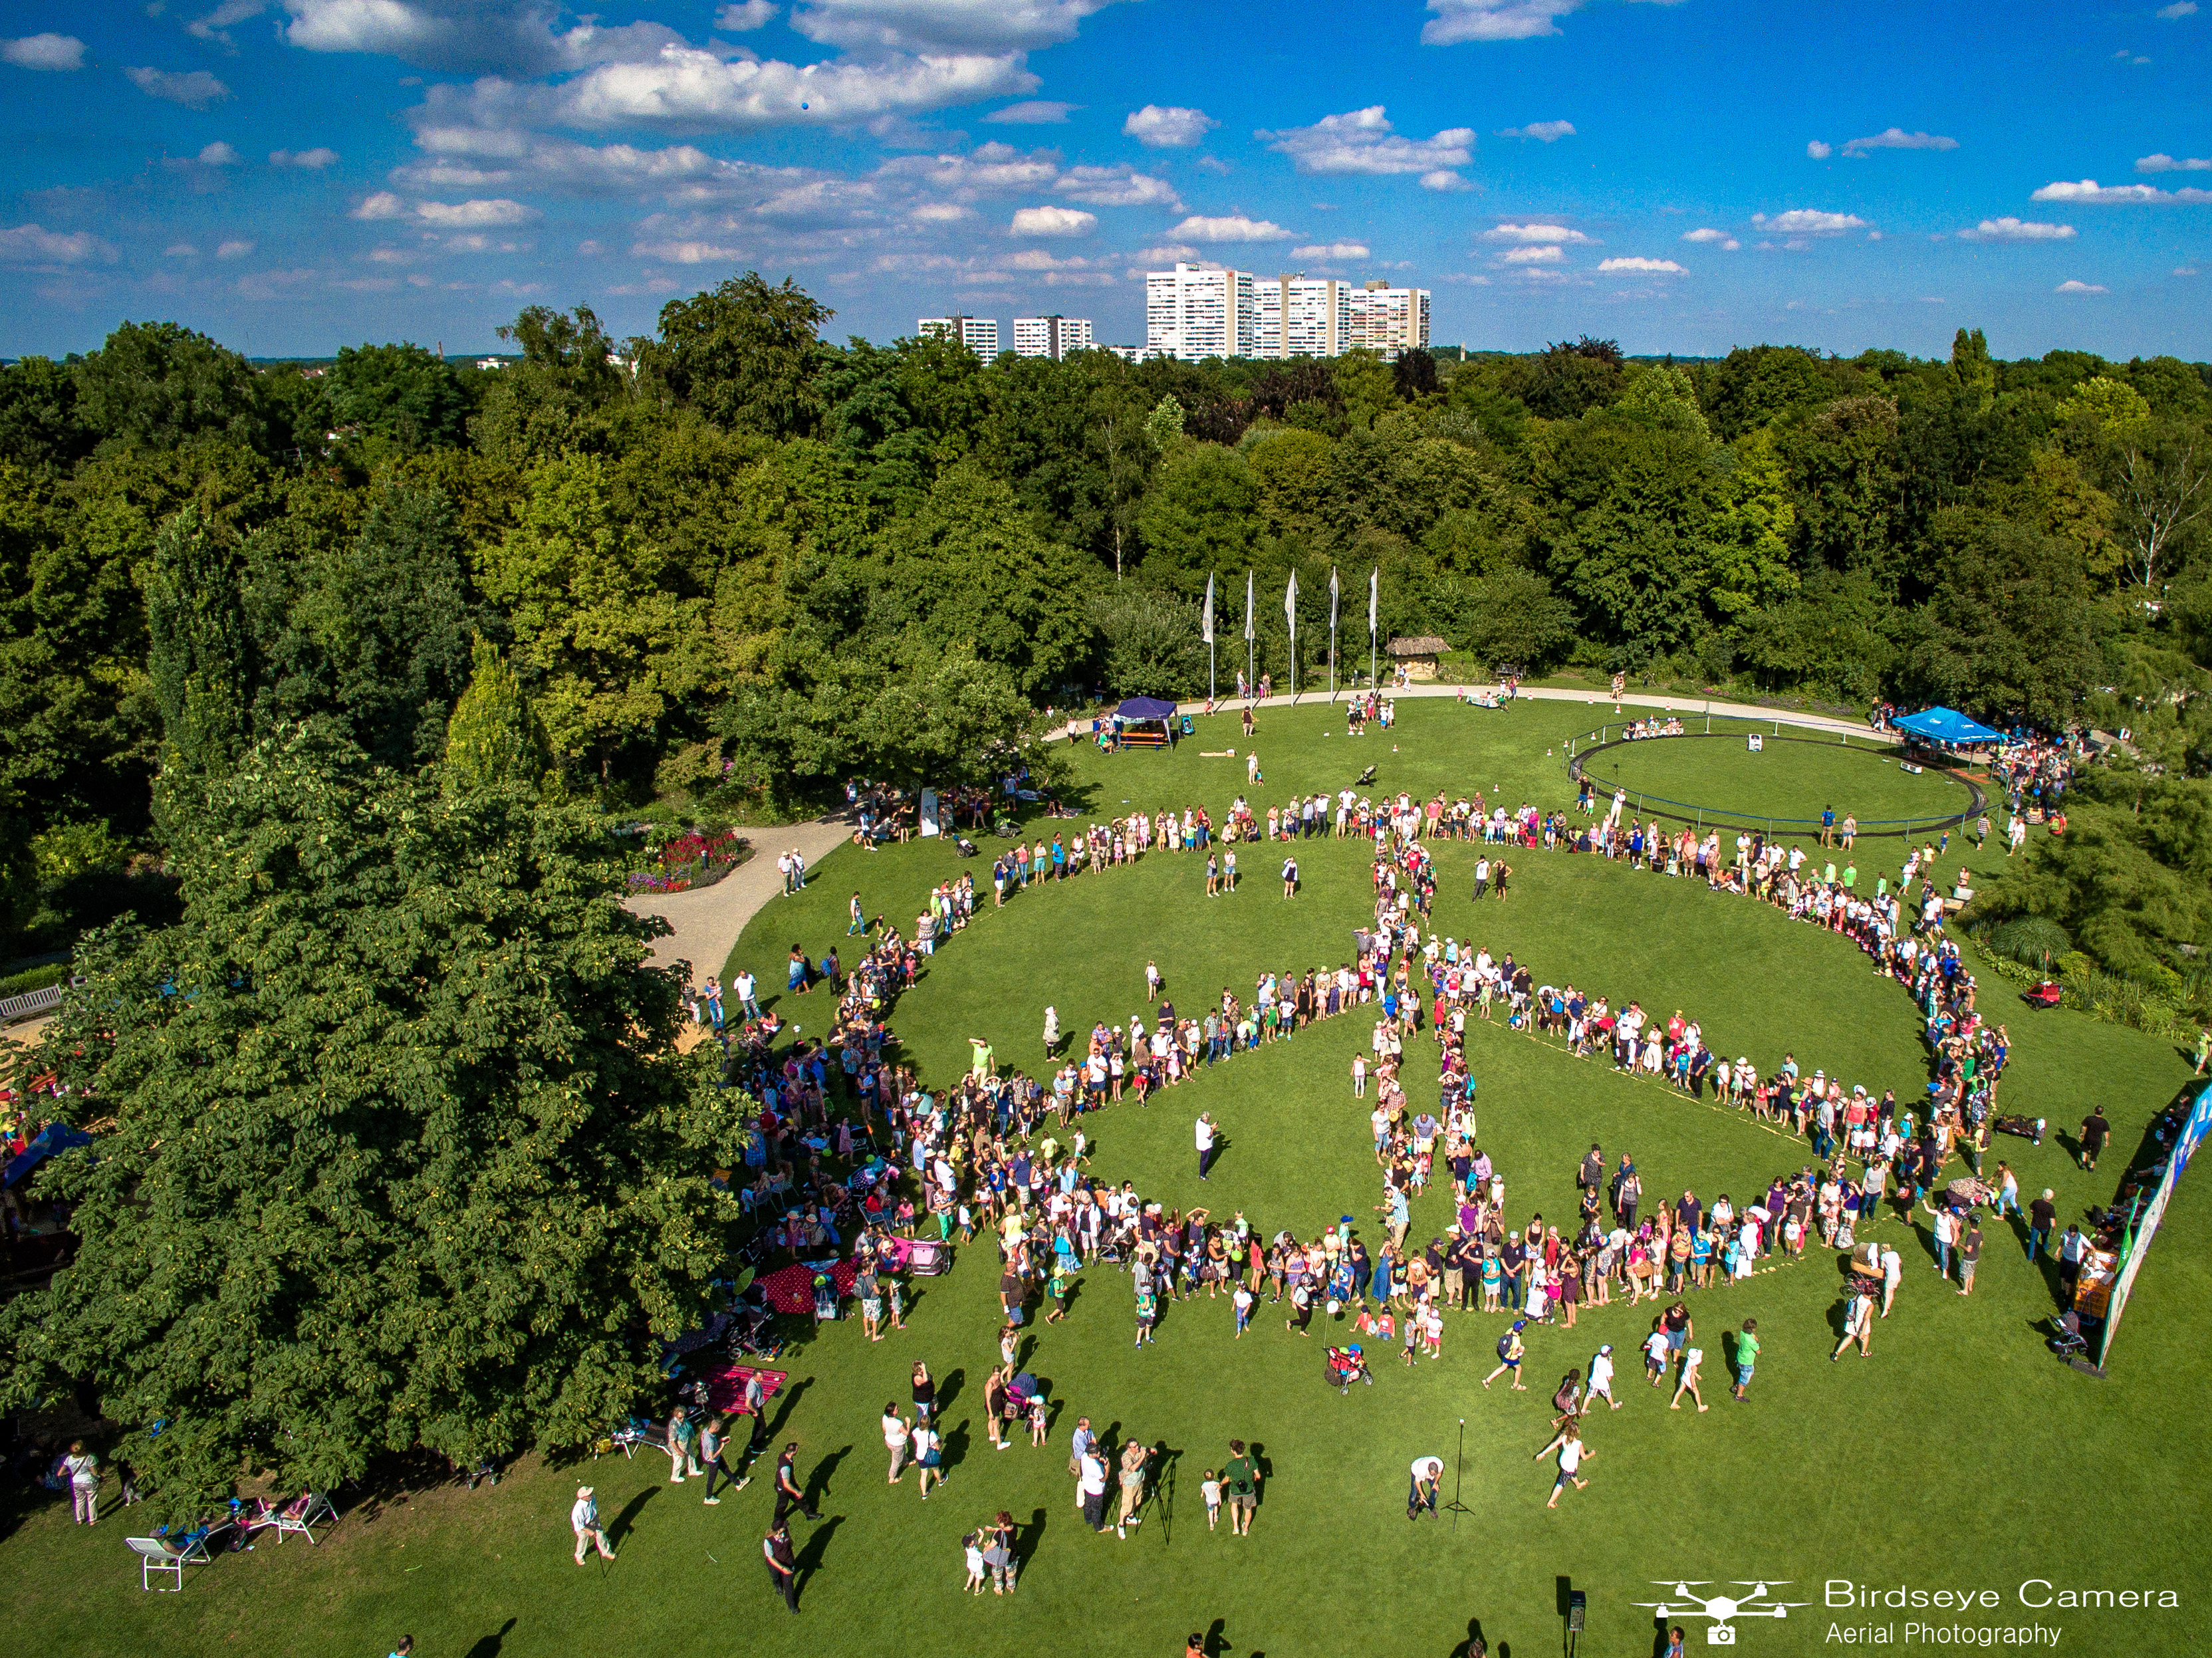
(706, 922)
(1681, 705)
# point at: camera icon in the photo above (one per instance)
(1720, 1635)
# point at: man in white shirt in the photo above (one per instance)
(1204, 1144)
(748, 989)
(1601, 1378)
(1428, 1472)
(1090, 1490)
(584, 1521)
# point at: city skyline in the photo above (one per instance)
(293, 175)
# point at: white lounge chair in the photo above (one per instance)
(316, 1510)
(157, 1554)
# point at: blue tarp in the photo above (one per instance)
(1144, 708)
(54, 1138)
(1947, 726)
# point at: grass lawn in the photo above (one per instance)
(1961, 1454)
(1726, 779)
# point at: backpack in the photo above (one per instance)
(1506, 1347)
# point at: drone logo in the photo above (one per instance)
(1721, 1608)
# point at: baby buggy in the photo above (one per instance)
(928, 1259)
(1344, 1366)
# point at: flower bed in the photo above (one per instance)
(690, 860)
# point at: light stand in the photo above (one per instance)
(1578, 1608)
(1456, 1508)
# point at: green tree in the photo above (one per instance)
(39, 425)
(605, 647)
(1748, 543)
(744, 356)
(401, 1158)
(201, 663)
(159, 385)
(2007, 630)
(1197, 517)
(549, 401)
(410, 397)
(495, 739)
(1149, 642)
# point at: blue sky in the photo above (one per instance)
(293, 175)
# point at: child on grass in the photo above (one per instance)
(973, 1544)
(1210, 1489)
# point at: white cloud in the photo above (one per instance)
(1117, 186)
(474, 214)
(180, 251)
(43, 51)
(745, 16)
(687, 253)
(1727, 243)
(2162, 162)
(218, 154)
(1234, 228)
(2177, 10)
(1052, 222)
(1331, 250)
(233, 250)
(1898, 138)
(2185, 270)
(1534, 233)
(2089, 190)
(313, 161)
(1550, 254)
(31, 244)
(1168, 253)
(1444, 179)
(1362, 142)
(2009, 229)
(1036, 111)
(685, 87)
(1809, 221)
(1458, 21)
(1544, 133)
(517, 38)
(1817, 150)
(194, 90)
(926, 26)
(1649, 267)
(1168, 126)
(941, 213)
(384, 205)
(2072, 286)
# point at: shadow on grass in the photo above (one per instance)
(817, 1550)
(488, 1646)
(622, 1521)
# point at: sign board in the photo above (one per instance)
(928, 813)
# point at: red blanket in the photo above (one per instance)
(727, 1389)
(792, 1289)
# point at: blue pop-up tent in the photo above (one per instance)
(1945, 726)
(1144, 708)
(54, 1138)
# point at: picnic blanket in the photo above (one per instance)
(792, 1289)
(726, 1389)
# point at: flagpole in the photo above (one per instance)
(1373, 593)
(1291, 616)
(1209, 641)
(1332, 635)
(1251, 648)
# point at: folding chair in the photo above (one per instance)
(157, 1555)
(301, 1517)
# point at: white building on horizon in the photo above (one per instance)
(979, 334)
(1302, 316)
(1193, 312)
(1388, 320)
(1052, 337)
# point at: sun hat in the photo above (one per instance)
(583, 1491)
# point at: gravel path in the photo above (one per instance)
(707, 921)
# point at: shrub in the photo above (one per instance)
(2035, 940)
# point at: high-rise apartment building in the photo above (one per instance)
(1193, 312)
(1389, 319)
(1052, 337)
(979, 334)
(1301, 316)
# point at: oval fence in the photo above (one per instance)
(1586, 745)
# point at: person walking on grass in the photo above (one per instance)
(1205, 1134)
(1747, 1359)
(898, 1434)
(1568, 1442)
(789, 1494)
(711, 1440)
(1510, 1351)
(1242, 1480)
(1134, 1459)
(1970, 1256)
(1290, 878)
(1691, 1358)
(783, 1563)
(1858, 1324)
(584, 1521)
(1601, 1380)
(83, 1470)
(682, 1443)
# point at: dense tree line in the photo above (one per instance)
(732, 561)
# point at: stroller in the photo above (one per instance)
(1344, 1366)
(927, 1258)
(1364, 779)
(963, 846)
(2067, 1342)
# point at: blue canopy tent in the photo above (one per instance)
(1137, 712)
(51, 1140)
(1947, 726)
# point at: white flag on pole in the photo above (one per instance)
(1374, 597)
(1250, 631)
(1205, 620)
(1290, 605)
(1332, 597)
